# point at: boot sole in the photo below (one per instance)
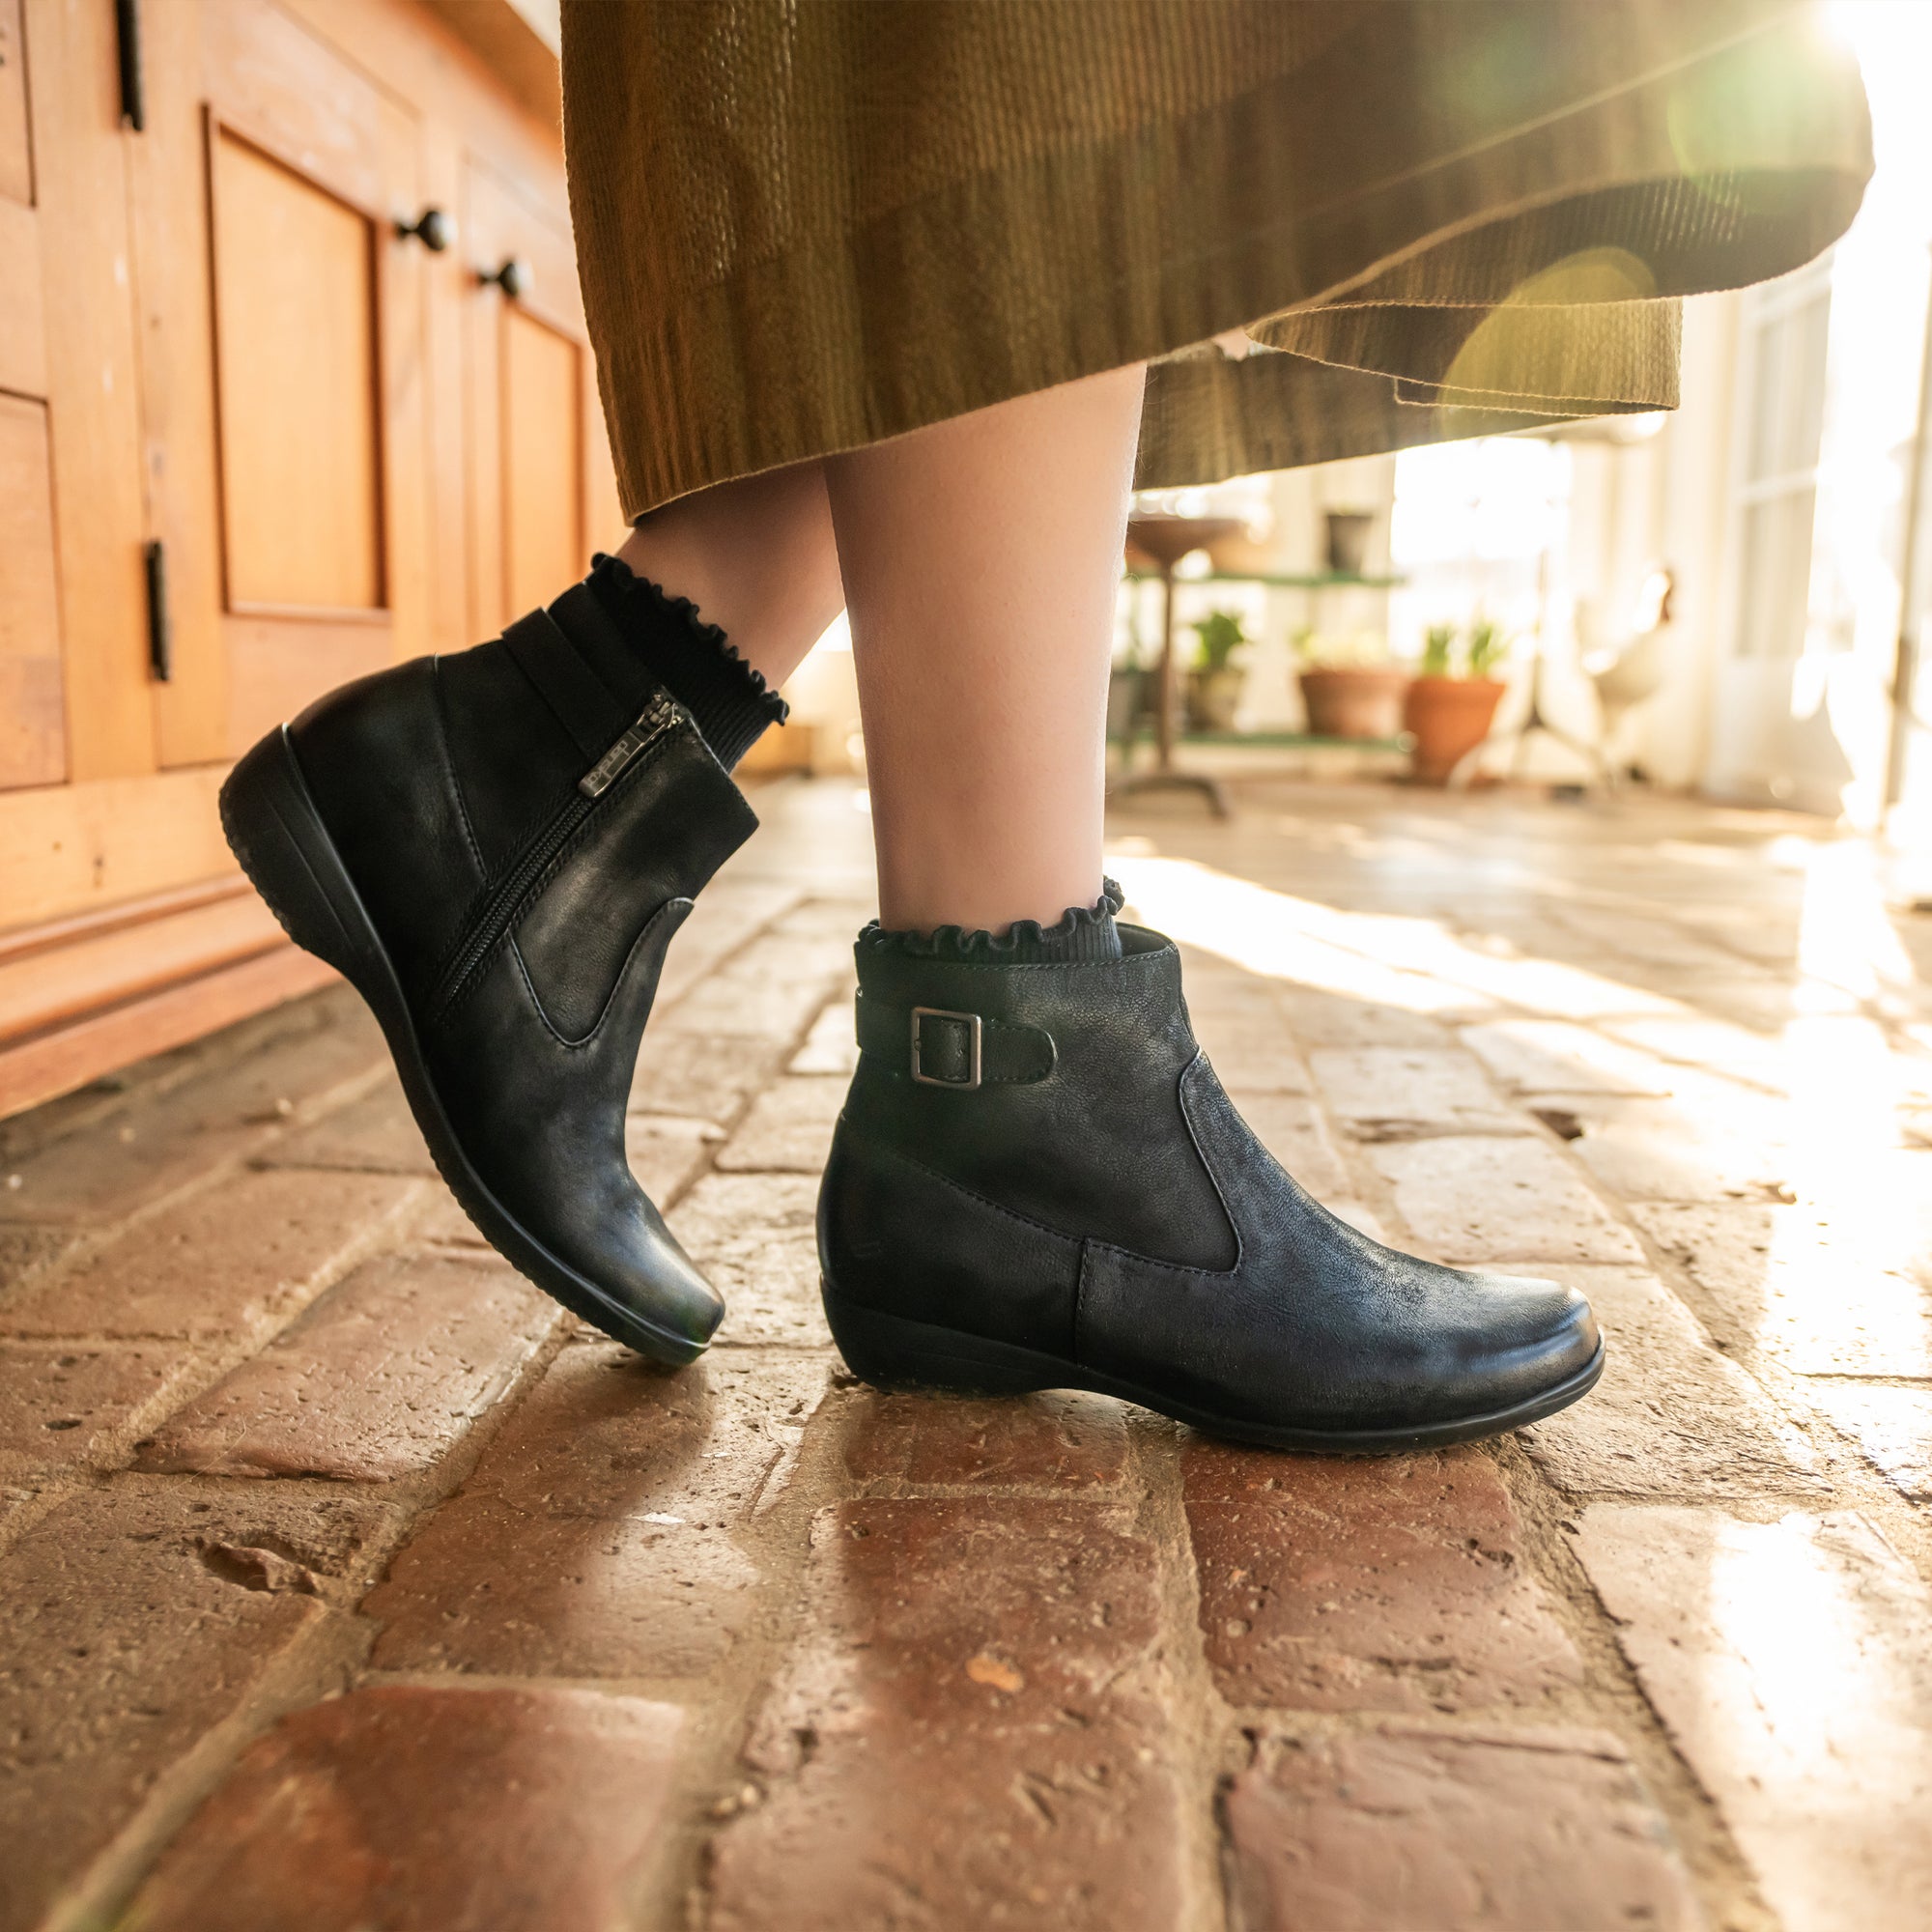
(891, 1352)
(275, 829)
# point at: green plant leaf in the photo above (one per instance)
(1221, 635)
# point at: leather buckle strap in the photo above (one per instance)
(970, 1045)
(943, 1046)
(586, 707)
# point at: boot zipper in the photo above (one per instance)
(658, 717)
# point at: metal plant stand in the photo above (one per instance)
(1461, 774)
(1165, 541)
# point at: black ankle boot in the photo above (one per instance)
(495, 848)
(1038, 1182)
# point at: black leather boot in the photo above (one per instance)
(1038, 1182)
(494, 848)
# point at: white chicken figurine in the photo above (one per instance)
(1626, 674)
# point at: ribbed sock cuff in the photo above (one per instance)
(726, 698)
(1082, 934)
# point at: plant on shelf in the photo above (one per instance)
(1348, 685)
(1489, 646)
(1449, 708)
(1214, 683)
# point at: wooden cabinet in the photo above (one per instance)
(32, 724)
(256, 438)
(541, 481)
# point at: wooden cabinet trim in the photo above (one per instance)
(16, 147)
(40, 990)
(93, 385)
(23, 328)
(76, 848)
(52, 933)
(56, 1063)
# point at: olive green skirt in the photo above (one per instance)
(806, 224)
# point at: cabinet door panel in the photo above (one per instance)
(275, 667)
(540, 492)
(16, 164)
(281, 378)
(24, 353)
(33, 734)
(297, 386)
(543, 512)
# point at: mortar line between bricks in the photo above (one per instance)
(707, 1163)
(332, 1658)
(779, 1543)
(147, 1082)
(750, 938)
(318, 1662)
(118, 1871)
(90, 1238)
(1726, 1888)
(1206, 1722)
(1612, 1695)
(1854, 1484)
(1852, 1479)
(1863, 1381)
(204, 1365)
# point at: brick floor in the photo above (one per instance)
(974, 1725)
(1474, 1830)
(378, 1378)
(347, 1584)
(1385, 1584)
(547, 1802)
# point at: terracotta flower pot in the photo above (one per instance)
(1361, 702)
(1449, 717)
(1214, 696)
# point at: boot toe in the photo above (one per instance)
(648, 1293)
(663, 1289)
(1544, 1334)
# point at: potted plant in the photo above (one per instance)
(1450, 707)
(1348, 688)
(1215, 684)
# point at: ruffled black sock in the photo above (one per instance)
(665, 635)
(1082, 933)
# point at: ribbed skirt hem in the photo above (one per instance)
(1413, 263)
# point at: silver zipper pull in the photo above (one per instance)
(659, 715)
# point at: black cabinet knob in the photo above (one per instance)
(433, 228)
(513, 277)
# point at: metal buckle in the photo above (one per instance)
(975, 1035)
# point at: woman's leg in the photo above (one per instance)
(980, 558)
(1036, 1181)
(755, 555)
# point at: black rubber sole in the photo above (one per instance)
(275, 829)
(891, 1352)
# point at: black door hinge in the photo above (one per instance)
(128, 30)
(160, 643)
